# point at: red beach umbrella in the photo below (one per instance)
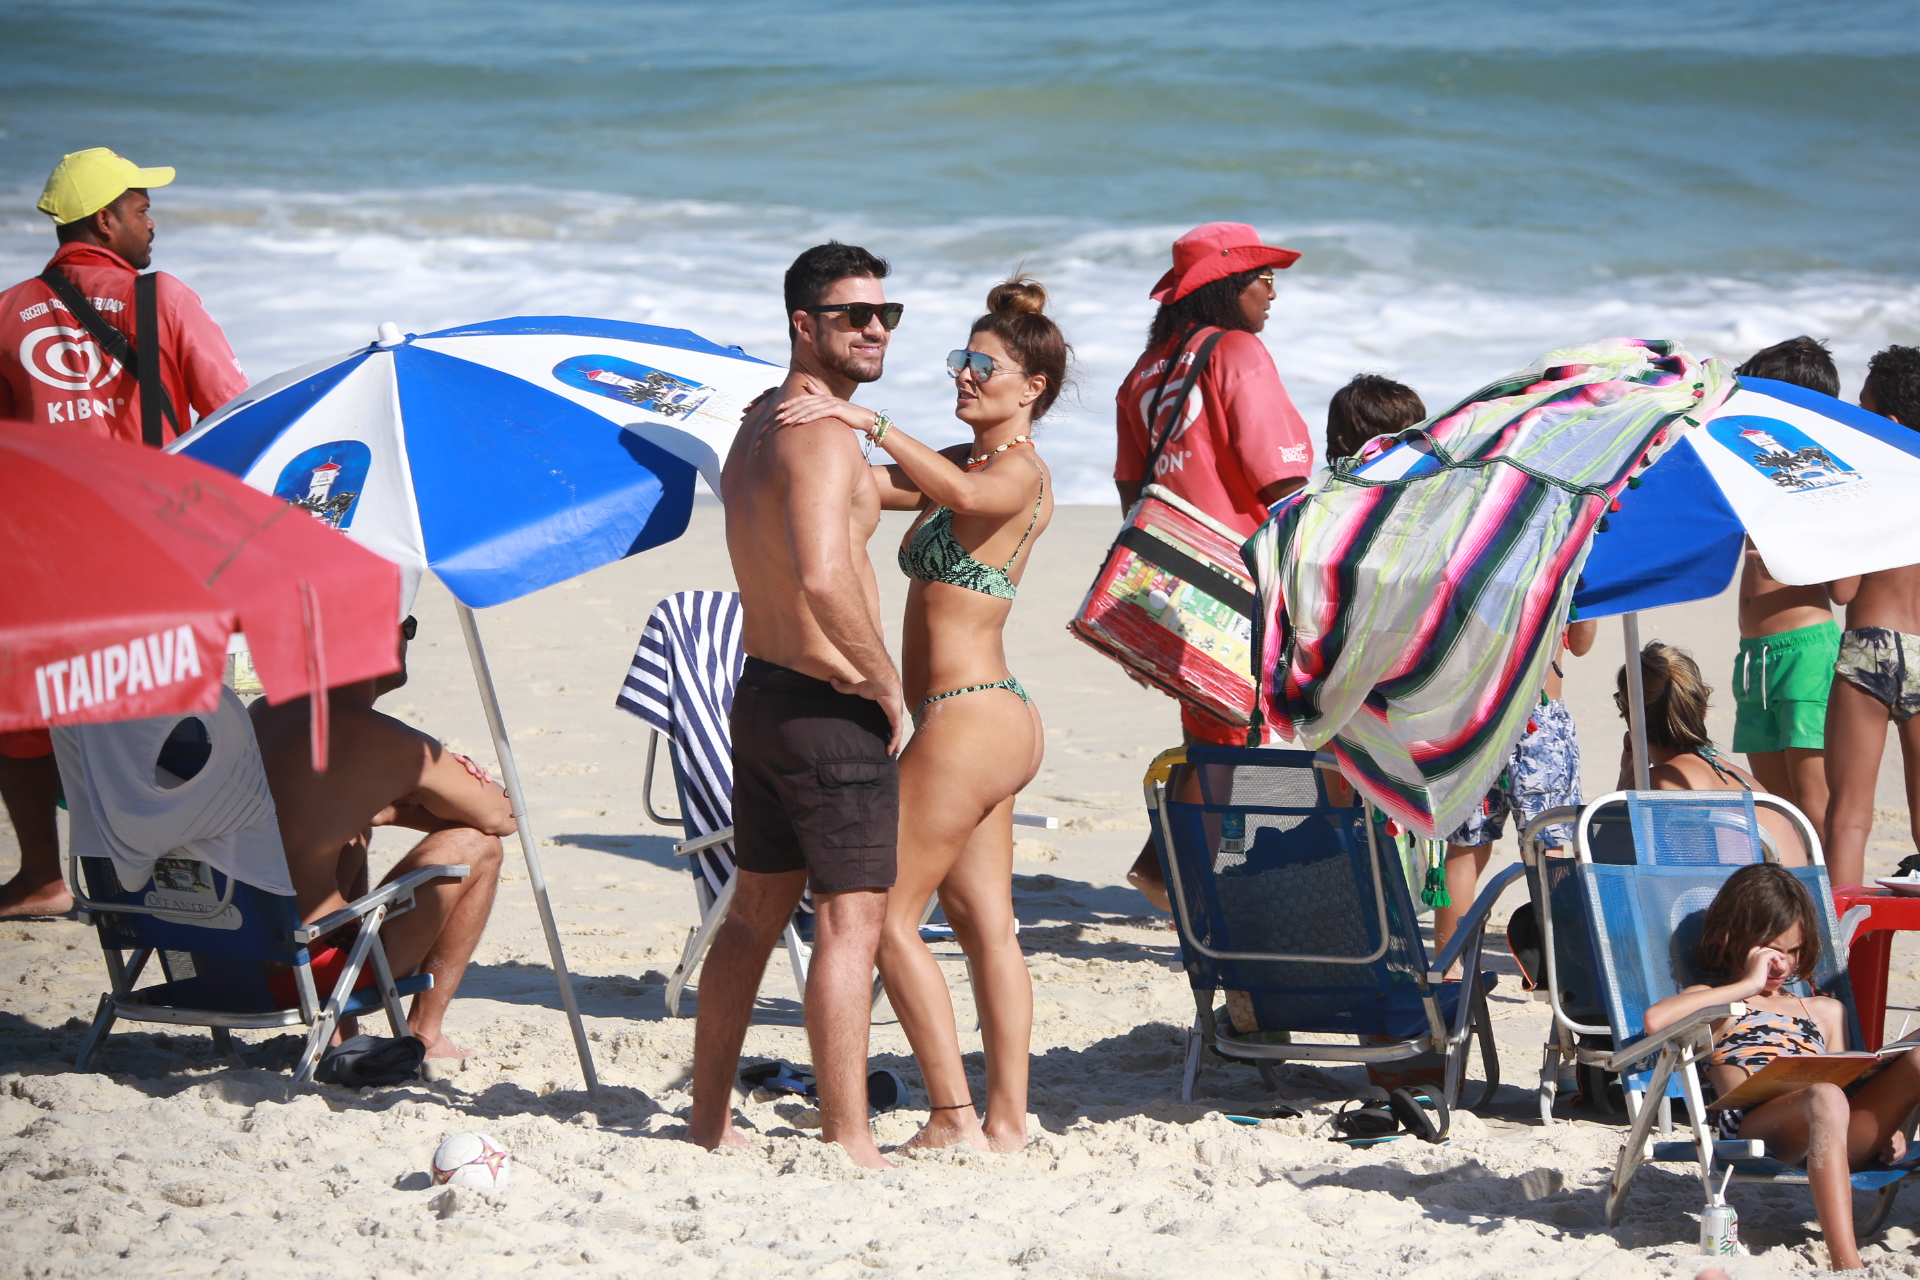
(127, 570)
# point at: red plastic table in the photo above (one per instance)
(1872, 946)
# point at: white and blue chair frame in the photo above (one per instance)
(1641, 919)
(214, 933)
(1387, 960)
(1628, 826)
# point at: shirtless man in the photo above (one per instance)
(817, 719)
(1788, 639)
(383, 773)
(1877, 677)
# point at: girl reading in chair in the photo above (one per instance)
(1760, 934)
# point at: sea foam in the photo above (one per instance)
(296, 276)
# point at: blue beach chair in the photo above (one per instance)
(215, 937)
(221, 941)
(1645, 921)
(1283, 895)
(1648, 828)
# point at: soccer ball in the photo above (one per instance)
(471, 1160)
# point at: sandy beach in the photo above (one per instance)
(163, 1160)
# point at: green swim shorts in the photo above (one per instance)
(1780, 685)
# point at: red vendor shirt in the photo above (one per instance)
(52, 371)
(1241, 432)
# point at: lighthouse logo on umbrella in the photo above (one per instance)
(327, 480)
(1783, 453)
(666, 394)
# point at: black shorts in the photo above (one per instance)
(814, 789)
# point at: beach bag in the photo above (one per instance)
(1173, 602)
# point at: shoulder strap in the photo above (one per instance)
(111, 340)
(1180, 405)
(1032, 520)
(154, 400)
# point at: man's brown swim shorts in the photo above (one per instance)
(813, 786)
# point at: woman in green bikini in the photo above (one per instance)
(977, 735)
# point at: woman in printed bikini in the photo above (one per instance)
(977, 735)
(1759, 934)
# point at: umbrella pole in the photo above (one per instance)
(1636, 701)
(510, 776)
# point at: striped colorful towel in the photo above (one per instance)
(1407, 608)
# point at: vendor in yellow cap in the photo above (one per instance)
(71, 340)
(73, 343)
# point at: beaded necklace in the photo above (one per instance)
(982, 461)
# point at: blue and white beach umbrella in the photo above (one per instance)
(1824, 488)
(504, 457)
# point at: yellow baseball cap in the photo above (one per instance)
(86, 182)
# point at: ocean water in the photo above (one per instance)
(1472, 183)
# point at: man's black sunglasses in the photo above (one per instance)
(861, 314)
(408, 627)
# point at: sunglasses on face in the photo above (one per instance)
(861, 314)
(978, 363)
(408, 628)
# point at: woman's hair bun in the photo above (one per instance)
(1020, 296)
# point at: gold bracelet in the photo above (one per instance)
(881, 425)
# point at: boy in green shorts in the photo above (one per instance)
(1788, 638)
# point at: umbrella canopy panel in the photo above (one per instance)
(505, 457)
(129, 570)
(1822, 485)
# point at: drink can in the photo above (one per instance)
(1719, 1231)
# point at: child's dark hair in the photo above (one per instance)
(1676, 697)
(1893, 380)
(1756, 905)
(1366, 407)
(1803, 361)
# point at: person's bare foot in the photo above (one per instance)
(948, 1129)
(441, 1047)
(865, 1154)
(17, 899)
(1006, 1139)
(727, 1137)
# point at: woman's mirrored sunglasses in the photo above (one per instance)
(861, 314)
(979, 362)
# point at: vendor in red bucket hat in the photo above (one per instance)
(1240, 445)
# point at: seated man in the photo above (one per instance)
(385, 773)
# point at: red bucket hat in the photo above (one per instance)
(1214, 252)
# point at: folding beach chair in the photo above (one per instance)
(1648, 828)
(681, 683)
(1646, 925)
(1283, 895)
(221, 941)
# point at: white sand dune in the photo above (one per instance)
(165, 1161)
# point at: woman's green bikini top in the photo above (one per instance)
(933, 554)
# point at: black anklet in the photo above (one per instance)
(955, 1107)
